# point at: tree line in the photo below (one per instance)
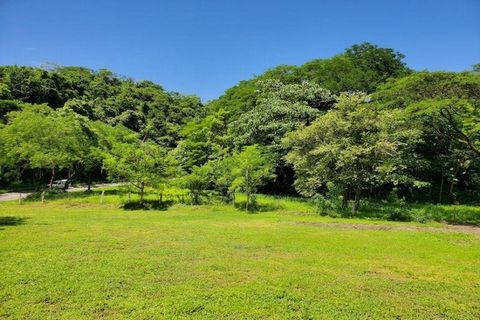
(359, 124)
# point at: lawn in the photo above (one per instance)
(79, 259)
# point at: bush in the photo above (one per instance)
(252, 206)
(457, 214)
(398, 209)
(421, 217)
(331, 204)
(147, 205)
(324, 206)
(399, 214)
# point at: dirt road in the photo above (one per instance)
(8, 196)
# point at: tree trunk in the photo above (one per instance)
(142, 187)
(195, 198)
(68, 180)
(441, 190)
(247, 189)
(452, 184)
(89, 182)
(345, 199)
(36, 179)
(52, 177)
(356, 202)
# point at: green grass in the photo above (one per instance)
(79, 259)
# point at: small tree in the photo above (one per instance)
(355, 146)
(140, 163)
(222, 177)
(39, 137)
(250, 169)
(197, 181)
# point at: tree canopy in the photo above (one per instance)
(361, 122)
(355, 147)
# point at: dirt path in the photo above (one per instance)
(13, 195)
(386, 227)
(8, 196)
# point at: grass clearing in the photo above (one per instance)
(79, 259)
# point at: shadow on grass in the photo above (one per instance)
(12, 221)
(148, 205)
(257, 207)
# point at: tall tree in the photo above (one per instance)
(445, 107)
(40, 138)
(279, 109)
(378, 64)
(354, 146)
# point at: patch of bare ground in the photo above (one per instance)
(387, 227)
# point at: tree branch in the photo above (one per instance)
(445, 112)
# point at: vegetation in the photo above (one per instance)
(358, 125)
(250, 168)
(142, 164)
(355, 147)
(360, 177)
(39, 138)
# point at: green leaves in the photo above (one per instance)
(140, 163)
(460, 116)
(250, 168)
(39, 137)
(279, 109)
(445, 107)
(197, 181)
(354, 146)
(140, 106)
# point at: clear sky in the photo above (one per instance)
(205, 46)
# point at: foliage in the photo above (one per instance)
(140, 106)
(141, 163)
(279, 109)
(250, 168)
(416, 126)
(354, 146)
(361, 67)
(377, 64)
(39, 137)
(203, 140)
(197, 182)
(445, 107)
(330, 203)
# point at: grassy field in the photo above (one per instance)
(79, 259)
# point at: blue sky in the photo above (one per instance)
(204, 47)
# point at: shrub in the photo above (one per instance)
(147, 205)
(331, 203)
(397, 209)
(323, 205)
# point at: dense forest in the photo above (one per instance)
(361, 124)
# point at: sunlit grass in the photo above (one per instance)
(78, 258)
